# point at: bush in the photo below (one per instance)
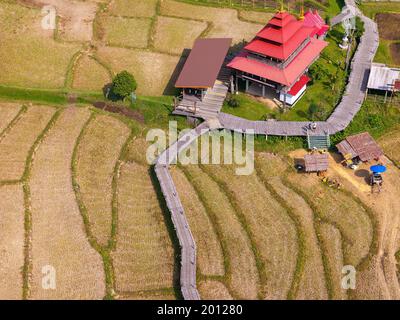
(233, 102)
(123, 85)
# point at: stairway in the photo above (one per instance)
(318, 142)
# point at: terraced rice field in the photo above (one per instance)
(58, 235)
(122, 32)
(23, 133)
(103, 139)
(143, 258)
(90, 75)
(11, 241)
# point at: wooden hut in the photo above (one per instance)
(316, 162)
(361, 146)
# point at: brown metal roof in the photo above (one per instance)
(361, 145)
(316, 162)
(204, 63)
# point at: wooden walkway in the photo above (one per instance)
(346, 110)
(186, 241)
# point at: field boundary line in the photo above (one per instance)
(27, 267)
(211, 215)
(301, 245)
(12, 123)
(104, 252)
(112, 243)
(243, 221)
(317, 218)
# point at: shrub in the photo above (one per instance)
(233, 102)
(123, 85)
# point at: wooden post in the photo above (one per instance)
(263, 91)
(237, 85)
(247, 85)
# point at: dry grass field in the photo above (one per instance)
(209, 255)
(11, 241)
(272, 230)
(255, 16)
(143, 259)
(133, 8)
(25, 58)
(152, 71)
(8, 111)
(311, 278)
(23, 134)
(213, 290)
(242, 277)
(97, 155)
(225, 22)
(58, 234)
(90, 75)
(173, 35)
(132, 35)
(123, 32)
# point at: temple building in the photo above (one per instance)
(278, 58)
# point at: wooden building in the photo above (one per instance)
(203, 78)
(361, 146)
(279, 56)
(316, 162)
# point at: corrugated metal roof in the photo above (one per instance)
(316, 162)
(361, 145)
(204, 63)
(382, 77)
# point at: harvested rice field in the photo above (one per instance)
(103, 138)
(23, 133)
(8, 112)
(90, 75)
(173, 35)
(133, 8)
(123, 32)
(144, 257)
(11, 241)
(58, 236)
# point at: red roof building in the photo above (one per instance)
(280, 55)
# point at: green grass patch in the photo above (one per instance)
(249, 108)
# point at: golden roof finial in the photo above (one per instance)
(302, 10)
(282, 7)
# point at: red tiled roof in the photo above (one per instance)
(279, 51)
(285, 76)
(304, 79)
(314, 20)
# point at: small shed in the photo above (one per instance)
(383, 78)
(317, 162)
(361, 146)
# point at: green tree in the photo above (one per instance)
(123, 84)
(313, 111)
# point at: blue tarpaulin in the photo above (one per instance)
(378, 168)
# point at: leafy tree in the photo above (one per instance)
(313, 110)
(123, 84)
